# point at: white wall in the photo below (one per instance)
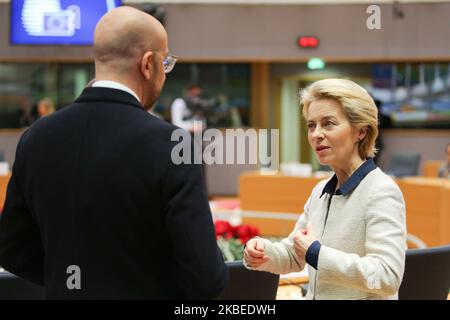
(269, 32)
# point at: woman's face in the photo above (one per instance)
(330, 134)
(43, 109)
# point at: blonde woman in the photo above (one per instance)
(352, 233)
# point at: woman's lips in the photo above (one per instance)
(321, 150)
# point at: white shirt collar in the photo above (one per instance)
(115, 85)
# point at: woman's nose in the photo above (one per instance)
(317, 133)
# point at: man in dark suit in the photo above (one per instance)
(95, 207)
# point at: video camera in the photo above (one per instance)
(202, 107)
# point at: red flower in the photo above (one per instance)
(246, 232)
(228, 235)
(223, 228)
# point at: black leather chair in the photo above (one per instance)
(404, 164)
(427, 274)
(15, 288)
(245, 284)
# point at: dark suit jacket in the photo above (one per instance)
(93, 185)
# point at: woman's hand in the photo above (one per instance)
(254, 253)
(302, 240)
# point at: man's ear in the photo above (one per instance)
(146, 65)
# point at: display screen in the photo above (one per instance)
(413, 95)
(57, 22)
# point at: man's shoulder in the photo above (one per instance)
(161, 124)
(74, 117)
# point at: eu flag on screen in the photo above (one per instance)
(57, 22)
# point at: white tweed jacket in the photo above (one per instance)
(363, 242)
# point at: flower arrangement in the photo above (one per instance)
(232, 239)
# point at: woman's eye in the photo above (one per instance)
(311, 126)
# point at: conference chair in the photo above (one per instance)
(414, 242)
(246, 284)
(15, 288)
(427, 274)
(404, 164)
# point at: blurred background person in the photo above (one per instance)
(45, 107)
(189, 110)
(41, 109)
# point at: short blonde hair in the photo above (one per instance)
(357, 104)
